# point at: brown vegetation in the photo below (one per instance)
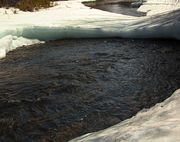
(31, 5)
(26, 5)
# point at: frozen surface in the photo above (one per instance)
(71, 19)
(161, 123)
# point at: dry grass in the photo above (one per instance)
(26, 5)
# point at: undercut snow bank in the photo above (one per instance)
(71, 19)
(9, 43)
(161, 123)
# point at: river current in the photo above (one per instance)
(63, 89)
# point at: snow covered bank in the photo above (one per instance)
(71, 19)
(158, 6)
(9, 43)
(161, 123)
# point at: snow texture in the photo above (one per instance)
(71, 19)
(161, 123)
(158, 6)
(9, 43)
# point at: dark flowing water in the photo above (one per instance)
(63, 89)
(120, 7)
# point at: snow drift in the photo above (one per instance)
(71, 19)
(161, 123)
(158, 6)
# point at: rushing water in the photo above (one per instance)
(63, 89)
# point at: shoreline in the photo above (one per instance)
(159, 123)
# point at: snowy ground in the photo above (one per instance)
(71, 19)
(161, 123)
(156, 6)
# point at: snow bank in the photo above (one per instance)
(9, 43)
(71, 19)
(161, 123)
(158, 6)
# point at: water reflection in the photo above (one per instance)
(124, 8)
